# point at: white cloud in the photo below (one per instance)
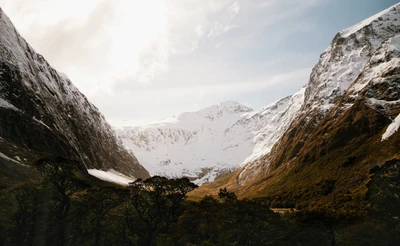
(166, 102)
(100, 42)
(199, 30)
(97, 42)
(219, 29)
(122, 52)
(234, 9)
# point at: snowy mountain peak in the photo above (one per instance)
(211, 141)
(359, 68)
(198, 144)
(234, 106)
(344, 60)
(384, 17)
(216, 111)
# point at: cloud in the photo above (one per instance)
(189, 98)
(106, 41)
(199, 30)
(219, 29)
(234, 9)
(115, 39)
(158, 53)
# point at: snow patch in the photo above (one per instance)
(392, 128)
(111, 176)
(11, 159)
(5, 104)
(41, 122)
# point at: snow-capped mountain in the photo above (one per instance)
(352, 94)
(345, 59)
(204, 144)
(43, 114)
(199, 144)
(357, 58)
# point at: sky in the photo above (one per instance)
(147, 60)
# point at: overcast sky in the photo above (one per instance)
(149, 59)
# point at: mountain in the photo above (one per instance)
(199, 145)
(356, 60)
(43, 114)
(203, 145)
(346, 128)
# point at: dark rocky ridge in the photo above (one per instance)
(43, 114)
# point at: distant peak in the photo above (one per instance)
(229, 102)
(217, 110)
(231, 106)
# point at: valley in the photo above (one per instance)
(318, 167)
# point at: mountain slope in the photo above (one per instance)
(354, 59)
(347, 125)
(43, 114)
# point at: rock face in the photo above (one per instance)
(43, 114)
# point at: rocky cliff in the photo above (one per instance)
(43, 114)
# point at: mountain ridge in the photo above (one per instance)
(338, 70)
(43, 114)
(183, 133)
(217, 139)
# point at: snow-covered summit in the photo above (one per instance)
(348, 54)
(193, 144)
(214, 112)
(384, 18)
(228, 107)
(211, 141)
(360, 66)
